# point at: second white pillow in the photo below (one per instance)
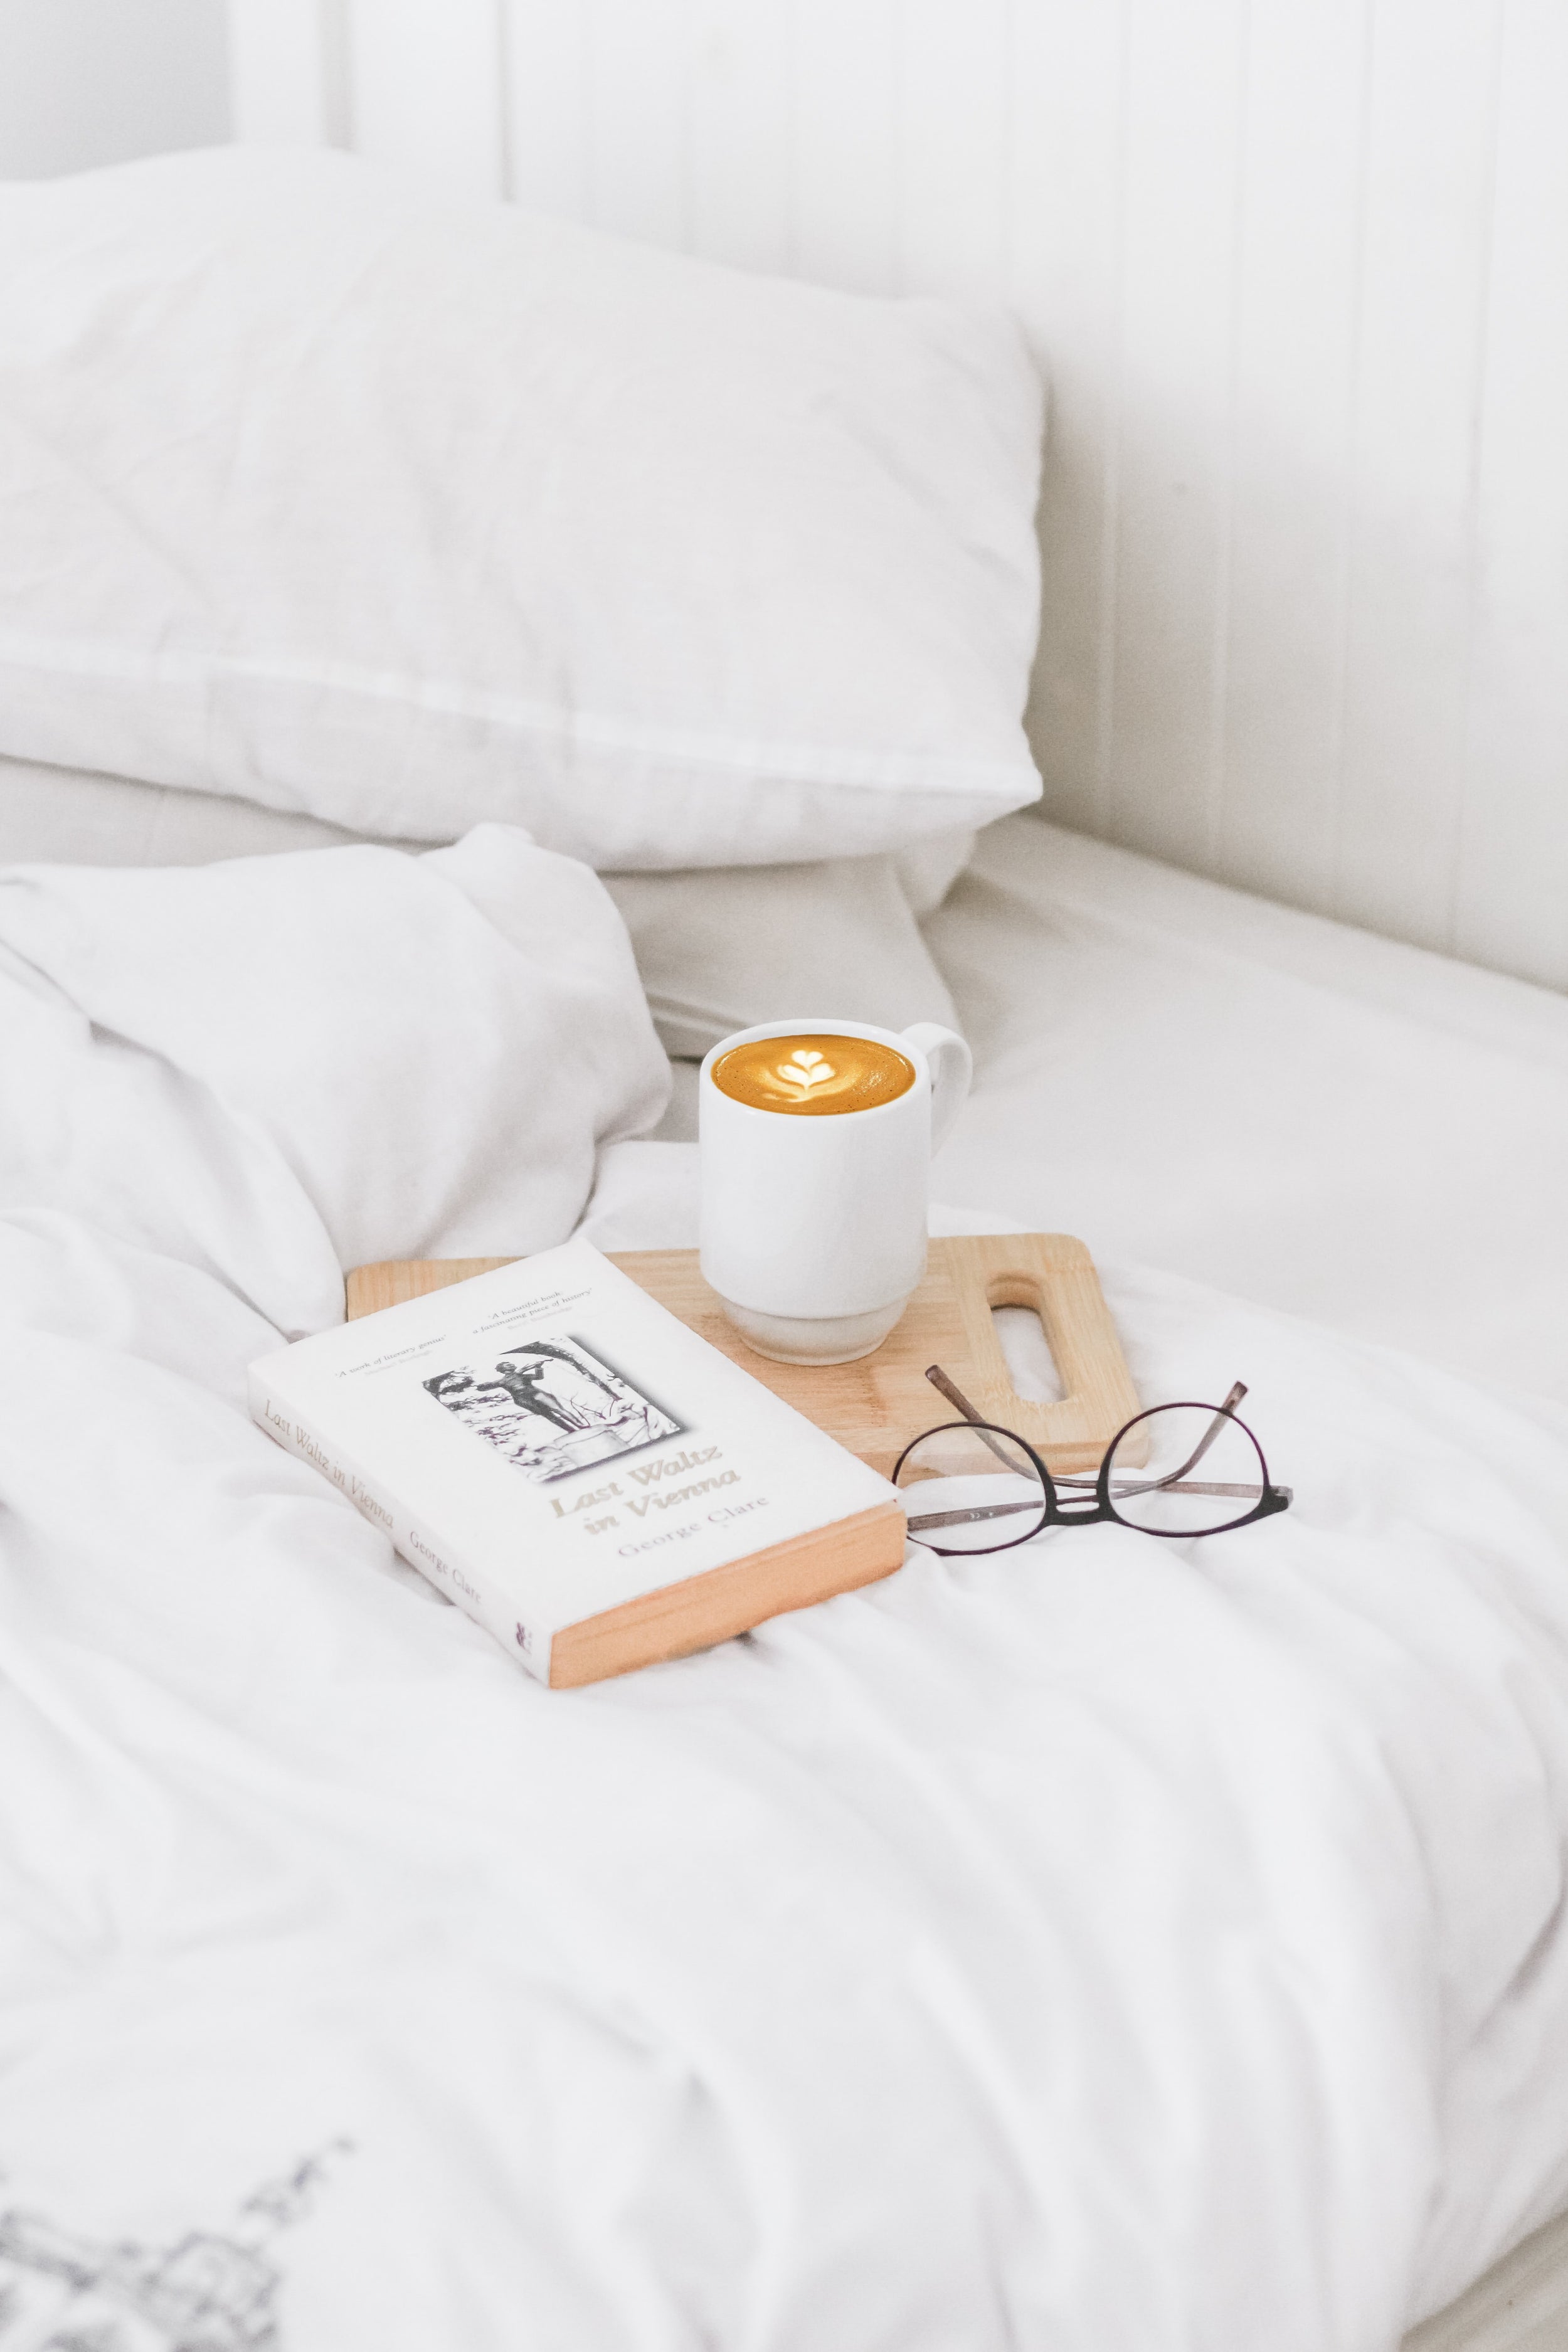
(322, 491)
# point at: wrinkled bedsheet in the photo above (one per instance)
(1107, 1945)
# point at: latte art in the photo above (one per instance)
(814, 1076)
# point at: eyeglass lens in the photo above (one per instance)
(1199, 1475)
(971, 1488)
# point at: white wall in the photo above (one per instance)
(84, 82)
(1298, 271)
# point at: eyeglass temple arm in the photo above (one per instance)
(953, 1392)
(1213, 1431)
(955, 1396)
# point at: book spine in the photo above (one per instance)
(416, 1543)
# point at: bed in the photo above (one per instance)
(1108, 958)
(1119, 1952)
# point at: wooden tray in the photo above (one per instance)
(876, 1406)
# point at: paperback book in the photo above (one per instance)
(563, 1458)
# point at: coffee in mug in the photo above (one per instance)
(815, 1144)
(814, 1076)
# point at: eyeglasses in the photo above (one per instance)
(974, 1486)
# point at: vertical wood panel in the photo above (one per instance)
(639, 179)
(281, 61)
(1186, 72)
(425, 89)
(1292, 416)
(546, 68)
(1511, 891)
(1063, 263)
(1412, 470)
(847, 57)
(955, 136)
(743, 115)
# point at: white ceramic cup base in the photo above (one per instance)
(813, 1338)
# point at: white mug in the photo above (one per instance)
(814, 1229)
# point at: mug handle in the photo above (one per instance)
(951, 1067)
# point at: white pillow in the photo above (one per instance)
(718, 952)
(429, 1050)
(717, 948)
(325, 491)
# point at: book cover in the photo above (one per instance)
(565, 1459)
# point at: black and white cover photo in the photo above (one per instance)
(551, 1407)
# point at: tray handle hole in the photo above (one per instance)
(1031, 1367)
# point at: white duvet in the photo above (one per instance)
(1109, 1946)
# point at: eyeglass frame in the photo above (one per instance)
(1271, 1500)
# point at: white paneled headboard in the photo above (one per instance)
(1298, 272)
